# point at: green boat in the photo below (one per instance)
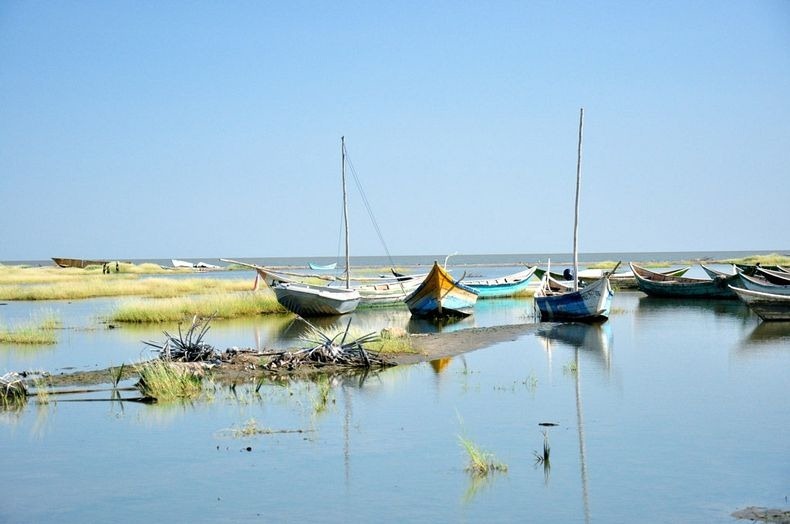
(660, 285)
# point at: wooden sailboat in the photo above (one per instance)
(311, 300)
(440, 295)
(589, 303)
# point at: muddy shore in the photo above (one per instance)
(243, 367)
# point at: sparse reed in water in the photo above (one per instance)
(40, 330)
(481, 463)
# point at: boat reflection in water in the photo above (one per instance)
(587, 339)
(595, 339)
(650, 306)
(771, 336)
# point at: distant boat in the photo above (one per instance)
(768, 306)
(319, 267)
(78, 262)
(589, 303)
(660, 285)
(713, 273)
(507, 286)
(181, 264)
(439, 295)
(624, 279)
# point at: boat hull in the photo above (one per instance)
(439, 295)
(590, 304)
(310, 301)
(766, 305)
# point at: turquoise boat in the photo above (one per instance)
(507, 286)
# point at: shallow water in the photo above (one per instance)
(671, 411)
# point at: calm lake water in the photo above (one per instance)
(669, 412)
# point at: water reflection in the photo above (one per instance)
(596, 339)
(766, 337)
(660, 305)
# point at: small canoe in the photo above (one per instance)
(624, 279)
(768, 306)
(308, 300)
(713, 273)
(439, 295)
(773, 276)
(660, 285)
(756, 283)
(507, 286)
(590, 303)
(325, 267)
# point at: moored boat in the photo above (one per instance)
(756, 283)
(775, 276)
(624, 279)
(587, 304)
(439, 295)
(507, 286)
(324, 267)
(660, 285)
(78, 262)
(767, 306)
(307, 300)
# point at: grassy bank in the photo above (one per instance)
(228, 305)
(93, 286)
(773, 259)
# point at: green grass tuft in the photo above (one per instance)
(481, 463)
(167, 381)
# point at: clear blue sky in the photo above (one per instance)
(212, 129)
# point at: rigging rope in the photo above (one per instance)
(368, 208)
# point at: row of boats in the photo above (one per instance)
(765, 290)
(438, 294)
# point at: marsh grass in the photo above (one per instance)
(322, 397)
(116, 287)
(229, 305)
(43, 395)
(570, 369)
(773, 259)
(481, 463)
(39, 330)
(391, 342)
(166, 381)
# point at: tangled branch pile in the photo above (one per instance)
(329, 352)
(189, 346)
(12, 390)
